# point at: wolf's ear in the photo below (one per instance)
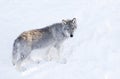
(74, 20)
(64, 21)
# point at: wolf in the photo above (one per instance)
(50, 36)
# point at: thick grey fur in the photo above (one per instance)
(53, 35)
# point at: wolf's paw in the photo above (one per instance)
(62, 61)
(37, 62)
(49, 58)
(21, 69)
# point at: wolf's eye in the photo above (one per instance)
(72, 27)
(66, 28)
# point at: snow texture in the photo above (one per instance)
(93, 53)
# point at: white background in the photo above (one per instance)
(94, 52)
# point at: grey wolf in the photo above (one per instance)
(50, 36)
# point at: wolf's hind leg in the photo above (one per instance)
(24, 53)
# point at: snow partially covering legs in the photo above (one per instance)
(93, 52)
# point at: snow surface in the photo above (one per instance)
(93, 53)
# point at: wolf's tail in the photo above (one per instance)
(16, 51)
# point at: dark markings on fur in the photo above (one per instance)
(31, 35)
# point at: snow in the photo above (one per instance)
(93, 53)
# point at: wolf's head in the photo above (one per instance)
(69, 26)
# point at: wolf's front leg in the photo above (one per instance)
(60, 57)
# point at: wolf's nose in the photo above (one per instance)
(71, 35)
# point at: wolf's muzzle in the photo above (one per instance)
(71, 35)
